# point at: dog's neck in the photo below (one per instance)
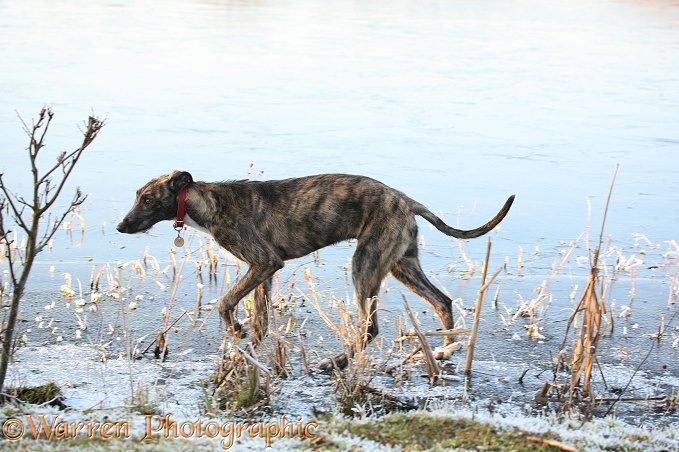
(195, 204)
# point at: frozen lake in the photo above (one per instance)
(459, 104)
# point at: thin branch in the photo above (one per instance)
(61, 162)
(93, 127)
(433, 370)
(4, 238)
(17, 214)
(35, 145)
(40, 143)
(78, 199)
(44, 196)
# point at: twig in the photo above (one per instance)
(256, 363)
(615, 400)
(408, 358)
(523, 374)
(302, 351)
(477, 311)
(447, 333)
(432, 366)
(551, 442)
(164, 331)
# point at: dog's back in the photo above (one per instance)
(301, 215)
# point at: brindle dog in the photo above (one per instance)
(265, 223)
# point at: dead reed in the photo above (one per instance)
(433, 370)
(589, 319)
(242, 384)
(479, 303)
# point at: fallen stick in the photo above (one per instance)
(432, 366)
(163, 332)
(252, 360)
(453, 333)
(390, 398)
(445, 352)
(662, 399)
(551, 442)
(408, 358)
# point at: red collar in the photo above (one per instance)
(179, 224)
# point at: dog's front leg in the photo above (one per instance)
(259, 317)
(255, 276)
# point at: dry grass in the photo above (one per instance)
(241, 385)
(589, 321)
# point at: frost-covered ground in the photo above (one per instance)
(82, 340)
(137, 432)
(414, 95)
(97, 390)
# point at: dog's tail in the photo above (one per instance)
(425, 213)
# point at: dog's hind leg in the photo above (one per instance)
(408, 271)
(259, 318)
(373, 258)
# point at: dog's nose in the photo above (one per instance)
(121, 227)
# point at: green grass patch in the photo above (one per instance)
(426, 432)
(38, 395)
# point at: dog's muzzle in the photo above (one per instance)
(122, 227)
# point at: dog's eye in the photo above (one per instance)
(148, 201)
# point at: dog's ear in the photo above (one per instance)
(179, 180)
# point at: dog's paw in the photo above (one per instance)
(445, 352)
(238, 332)
(329, 364)
(326, 365)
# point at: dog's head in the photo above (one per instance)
(156, 201)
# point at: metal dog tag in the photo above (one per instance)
(179, 242)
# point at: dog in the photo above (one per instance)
(265, 223)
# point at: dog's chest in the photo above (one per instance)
(189, 222)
